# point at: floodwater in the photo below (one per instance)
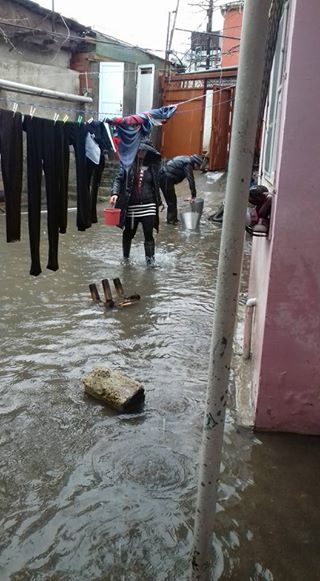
(88, 494)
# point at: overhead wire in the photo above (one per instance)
(87, 39)
(92, 113)
(92, 39)
(65, 39)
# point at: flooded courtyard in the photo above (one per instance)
(88, 494)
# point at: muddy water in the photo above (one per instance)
(87, 494)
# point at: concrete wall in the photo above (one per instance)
(285, 271)
(42, 65)
(40, 75)
(44, 76)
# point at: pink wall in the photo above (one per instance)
(286, 343)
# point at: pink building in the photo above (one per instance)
(285, 268)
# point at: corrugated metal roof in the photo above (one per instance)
(121, 44)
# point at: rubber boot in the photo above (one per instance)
(172, 215)
(149, 251)
(126, 247)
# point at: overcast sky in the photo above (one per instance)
(140, 22)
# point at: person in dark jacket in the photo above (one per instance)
(173, 172)
(136, 192)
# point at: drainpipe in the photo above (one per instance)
(251, 66)
(250, 305)
(30, 90)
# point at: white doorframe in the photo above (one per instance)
(111, 83)
(145, 88)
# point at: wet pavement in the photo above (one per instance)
(87, 494)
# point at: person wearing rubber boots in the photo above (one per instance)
(136, 192)
(173, 172)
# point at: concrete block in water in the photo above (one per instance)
(114, 388)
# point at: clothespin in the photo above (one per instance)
(14, 108)
(90, 120)
(55, 117)
(32, 111)
(65, 119)
(79, 120)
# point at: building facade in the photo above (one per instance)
(285, 267)
(231, 34)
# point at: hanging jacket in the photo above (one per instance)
(133, 129)
(177, 169)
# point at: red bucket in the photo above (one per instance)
(112, 216)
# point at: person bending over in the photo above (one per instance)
(173, 172)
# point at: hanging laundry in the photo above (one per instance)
(101, 135)
(75, 134)
(94, 173)
(133, 128)
(11, 166)
(111, 138)
(93, 150)
(96, 156)
(48, 149)
(44, 139)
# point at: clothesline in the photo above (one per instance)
(48, 150)
(91, 113)
(204, 95)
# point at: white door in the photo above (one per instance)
(207, 121)
(111, 89)
(145, 88)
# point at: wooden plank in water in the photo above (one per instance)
(109, 302)
(127, 301)
(94, 293)
(119, 288)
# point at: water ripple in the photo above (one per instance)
(86, 493)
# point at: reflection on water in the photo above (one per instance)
(88, 494)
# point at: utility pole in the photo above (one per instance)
(170, 36)
(166, 64)
(53, 17)
(175, 12)
(209, 30)
(250, 74)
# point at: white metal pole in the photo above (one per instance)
(251, 66)
(31, 90)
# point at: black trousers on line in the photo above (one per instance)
(11, 166)
(94, 174)
(43, 153)
(48, 149)
(75, 135)
(169, 192)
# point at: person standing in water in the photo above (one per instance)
(173, 172)
(136, 192)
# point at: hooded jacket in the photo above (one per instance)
(178, 168)
(124, 182)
